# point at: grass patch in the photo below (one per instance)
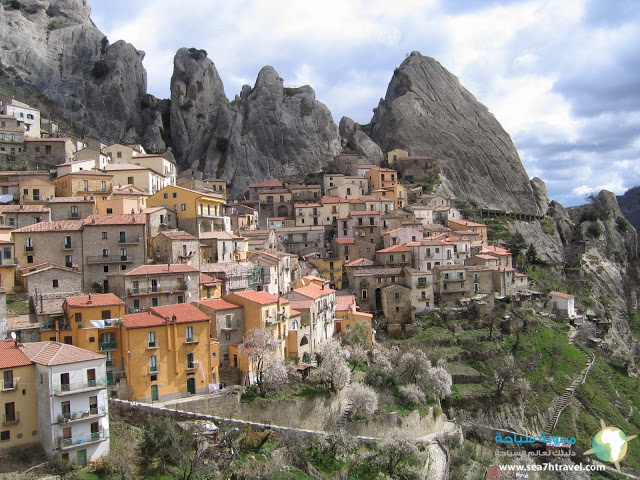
(301, 391)
(18, 307)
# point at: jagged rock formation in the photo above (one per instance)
(630, 206)
(354, 139)
(268, 131)
(428, 112)
(53, 48)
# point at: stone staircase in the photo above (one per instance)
(560, 403)
(230, 375)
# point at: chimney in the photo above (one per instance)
(174, 319)
(89, 302)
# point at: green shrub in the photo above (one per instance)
(622, 224)
(305, 108)
(100, 69)
(595, 230)
(589, 215)
(548, 226)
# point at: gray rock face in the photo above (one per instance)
(53, 47)
(630, 206)
(354, 139)
(268, 131)
(427, 112)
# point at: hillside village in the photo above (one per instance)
(143, 282)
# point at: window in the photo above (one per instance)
(164, 195)
(154, 302)
(7, 380)
(189, 334)
(227, 336)
(152, 339)
(67, 241)
(136, 304)
(104, 235)
(191, 364)
(180, 299)
(106, 269)
(119, 154)
(85, 185)
(55, 284)
(106, 314)
(364, 294)
(28, 244)
(5, 436)
(109, 211)
(183, 206)
(103, 186)
(397, 295)
(153, 363)
(175, 195)
(29, 258)
(105, 252)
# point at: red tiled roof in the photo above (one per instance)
(184, 313)
(218, 304)
(262, 298)
(361, 262)
(345, 241)
(206, 279)
(178, 235)
(97, 300)
(267, 183)
(11, 356)
(54, 353)
(344, 302)
(24, 208)
(561, 295)
(87, 199)
(48, 139)
(333, 199)
(363, 212)
(301, 304)
(466, 223)
(313, 291)
(58, 226)
(394, 248)
(117, 219)
(161, 269)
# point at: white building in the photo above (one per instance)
(563, 303)
(73, 416)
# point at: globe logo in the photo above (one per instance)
(610, 445)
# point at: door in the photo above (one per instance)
(154, 393)
(191, 386)
(109, 378)
(82, 458)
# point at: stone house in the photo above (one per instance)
(159, 219)
(368, 281)
(260, 239)
(322, 312)
(12, 135)
(397, 309)
(459, 224)
(427, 254)
(451, 283)
(255, 188)
(421, 286)
(112, 244)
(275, 203)
(401, 236)
(176, 246)
(156, 285)
(301, 240)
(18, 216)
(49, 151)
(223, 247)
(377, 203)
(422, 213)
(71, 208)
(394, 256)
(51, 281)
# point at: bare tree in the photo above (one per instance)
(333, 370)
(363, 399)
(504, 372)
(258, 345)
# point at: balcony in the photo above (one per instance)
(97, 259)
(74, 216)
(191, 340)
(234, 325)
(110, 362)
(454, 279)
(182, 287)
(11, 419)
(315, 214)
(9, 386)
(36, 198)
(88, 414)
(79, 387)
(129, 241)
(110, 345)
(68, 245)
(423, 284)
(29, 248)
(85, 438)
(153, 370)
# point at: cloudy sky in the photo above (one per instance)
(562, 77)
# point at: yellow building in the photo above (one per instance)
(84, 182)
(379, 178)
(395, 155)
(210, 287)
(7, 266)
(347, 314)
(18, 398)
(330, 269)
(169, 353)
(36, 191)
(197, 212)
(119, 205)
(91, 322)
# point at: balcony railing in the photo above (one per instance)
(8, 386)
(68, 245)
(129, 240)
(182, 287)
(29, 248)
(81, 414)
(11, 419)
(110, 362)
(110, 258)
(67, 388)
(423, 284)
(35, 198)
(454, 279)
(110, 345)
(154, 369)
(82, 439)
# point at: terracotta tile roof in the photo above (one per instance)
(24, 208)
(378, 271)
(375, 198)
(307, 228)
(345, 241)
(218, 234)
(360, 262)
(332, 199)
(307, 205)
(217, 304)
(561, 295)
(157, 316)
(271, 191)
(491, 250)
(124, 166)
(485, 257)
(49, 266)
(301, 304)
(153, 209)
(313, 291)
(87, 173)
(394, 230)
(58, 226)
(355, 200)
(502, 268)
(61, 139)
(304, 187)
(97, 300)
(161, 269)
(117, 219)
(466, 223)
(267, 183)
(178, 235)
(11, 356)
(262, 298)
(394, 248)
(206, 279)
(86, 199)
(294, 313)
(54, 353)
(344, 302)
(450, 267)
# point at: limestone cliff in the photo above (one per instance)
(56, 58)
(268, 131)
(427, 112)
